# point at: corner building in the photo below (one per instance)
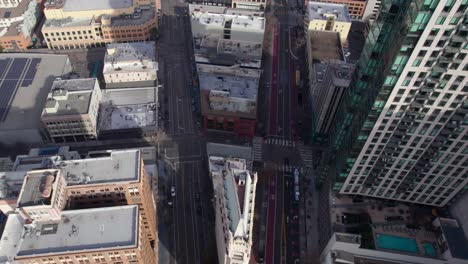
(401, 130)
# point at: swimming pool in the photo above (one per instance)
(429, 250)
(397, 243)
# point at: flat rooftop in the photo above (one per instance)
(218, 16)
(233, 81)
(12, 12)
(145, 16)
(320, 11)
(82, 230)
(237, 182)
(11, 235)
(68, 22)
(325, 46)
(133, 56)
(38, 188)
(89, 5)
(116, 166)
(69, 97)
(10, 184)
(128, 108)
(25, 81)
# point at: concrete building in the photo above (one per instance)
(111, 178)
(25, 82)
(12, 178)
(249, 4)
(127, 113)
(372, 10)
(130, 65)
(98, 235)
(71, 110)
(328, 17)
(347, 248)
(329, 77)
(88, 23)
(401, 130)
(17, 22)
(226, 36)
(234, 191)
(229, 98)
(356, 8)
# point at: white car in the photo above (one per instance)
(172, 191)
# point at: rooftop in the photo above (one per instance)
(87, 5)
(10, 184)
(128, 108)
(131, 20)
(132, 56)
(456, 240)
(238, 187)
(25, 81)
(116, 166)
(320, 11)
(38, 188)
(219, 16)
(68, 22)
(70, 97)
(81, 230)
(232, 81)
(12, 12)
(10, 237)
(325, 46)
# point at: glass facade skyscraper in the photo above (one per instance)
(401, 130)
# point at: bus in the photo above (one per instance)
(296, 185)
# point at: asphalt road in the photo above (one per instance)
(191, 233)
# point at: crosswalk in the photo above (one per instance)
(288, 168)
(257, 143)
(306, 155)
(280, 141)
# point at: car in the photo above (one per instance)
(173, 191)
(169, 203)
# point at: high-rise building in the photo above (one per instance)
(234, 189)
(372, 9)
(401, 132)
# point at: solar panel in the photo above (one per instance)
(7, 90)
(16, 68)
(3, 66)
(30, 73)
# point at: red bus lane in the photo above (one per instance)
(270, 232)
(274, 85)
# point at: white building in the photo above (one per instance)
(372, 9)
(416, 149)
(346, 248)
(234, 187)
(226, 36)
(130, 64)
(329, 17)
(71, 110)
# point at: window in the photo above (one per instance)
(440, 20)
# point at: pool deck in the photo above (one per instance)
(421, 237)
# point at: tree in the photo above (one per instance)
(154, 33)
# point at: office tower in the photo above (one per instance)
(234, 190)
(401, 130)
(329, 17)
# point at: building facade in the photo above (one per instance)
(234, 188)
(229, 98)
(249, 4)
(71, 110)
(130, 65)
(356, 8)
(328, 17)
(401, 132)
(17, 23)
(372, 9)
(70, 24)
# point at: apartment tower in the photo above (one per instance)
(401, 131)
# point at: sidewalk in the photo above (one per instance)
(308, 214)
